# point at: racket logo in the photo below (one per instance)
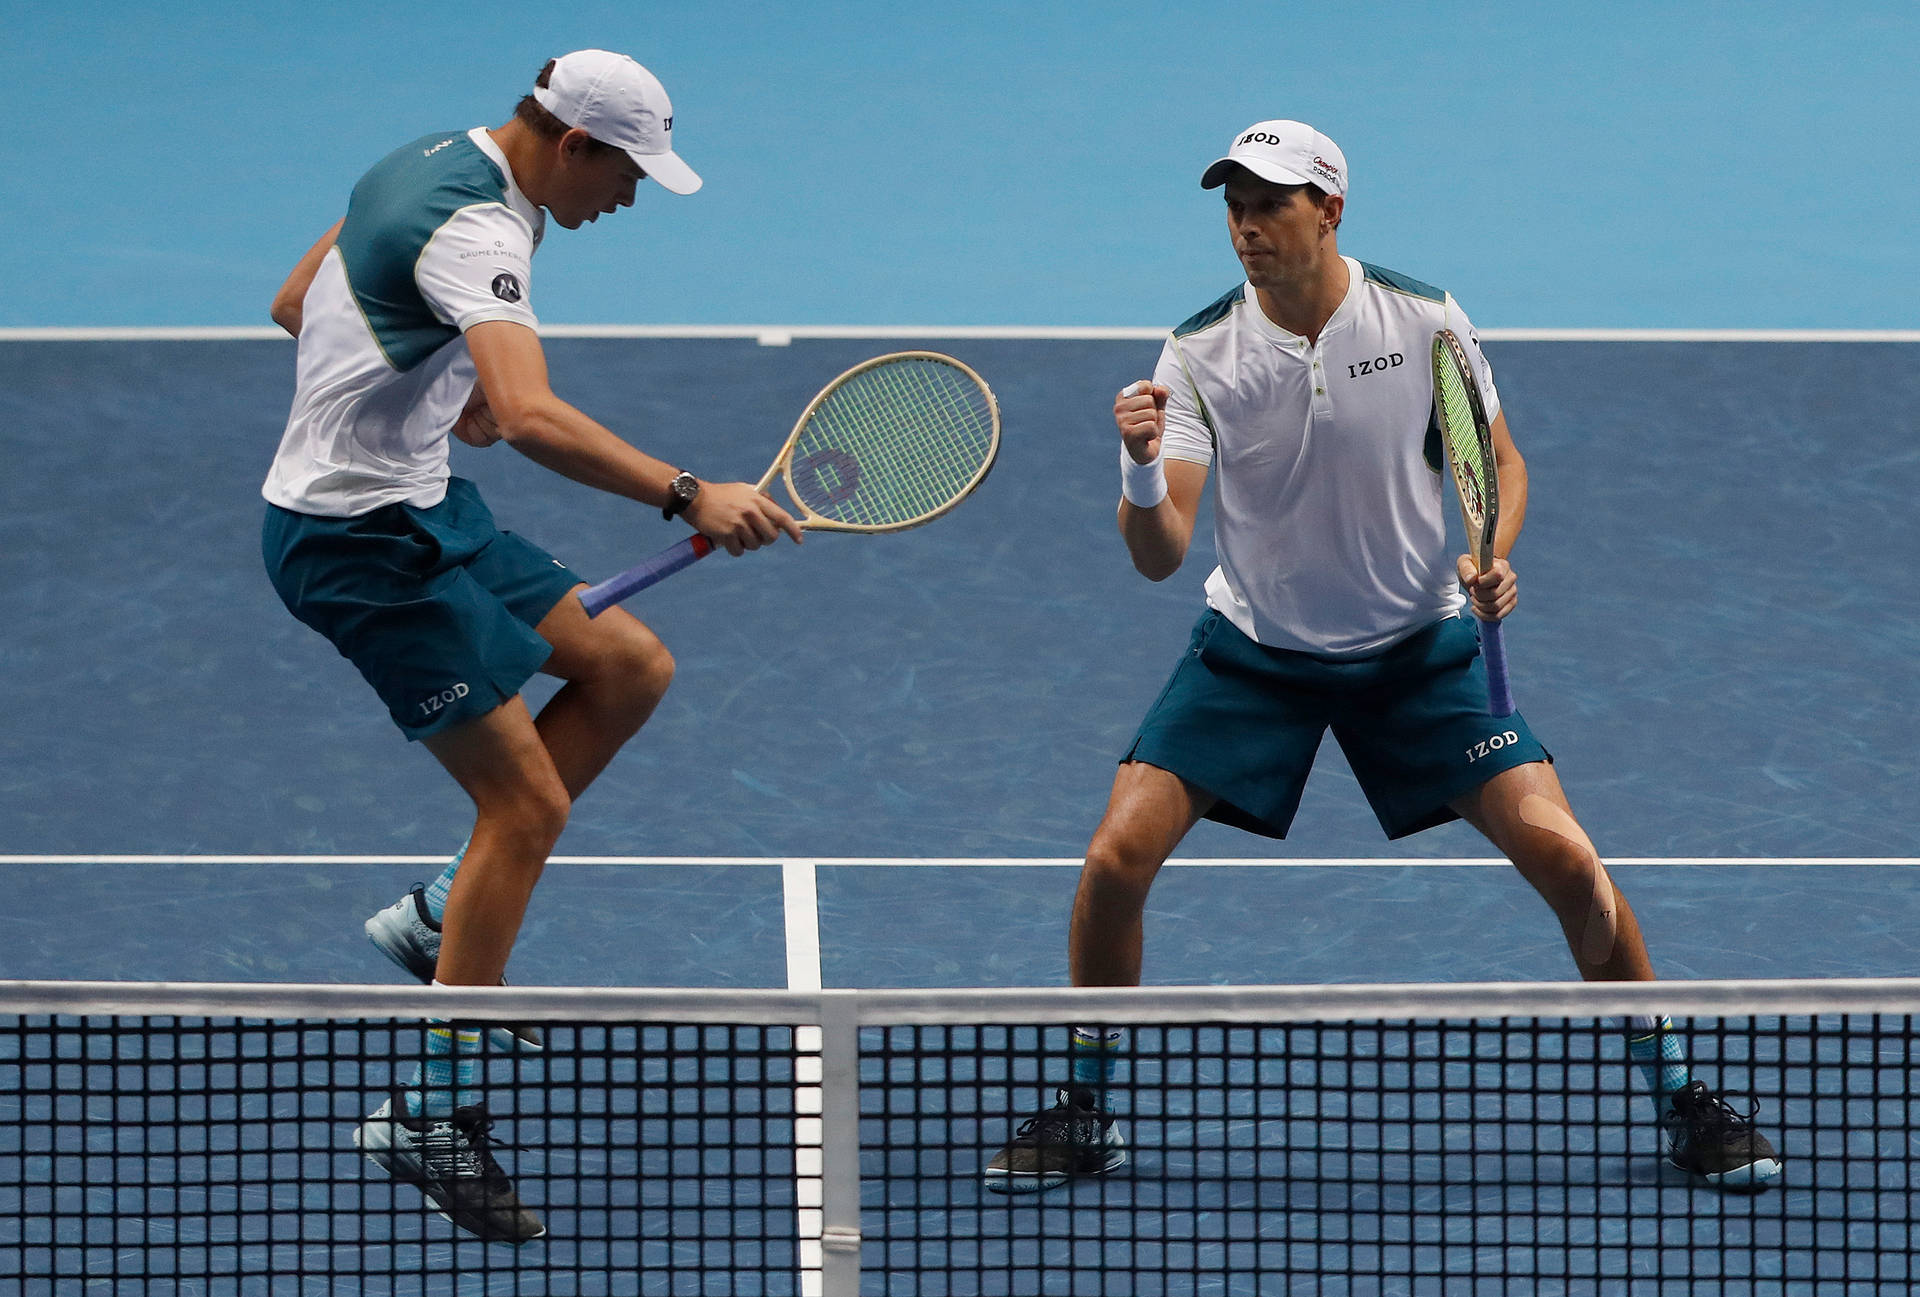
(826, 478)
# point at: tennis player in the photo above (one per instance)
(1336, 605)
(415, 323)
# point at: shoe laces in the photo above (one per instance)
(1705, 1112)
(467, 1149)
(420, 913)
(1064, 1123)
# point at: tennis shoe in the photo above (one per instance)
(406, 933)
(448, 1160)
(1072, 1138)
(1707, 1138)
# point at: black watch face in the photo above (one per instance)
(680, 493)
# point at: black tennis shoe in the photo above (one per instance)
(1707, 1138)
(448, 1160)
(1074, 1137)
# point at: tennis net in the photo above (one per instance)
(1461, 1139)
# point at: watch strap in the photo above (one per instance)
(680, 494)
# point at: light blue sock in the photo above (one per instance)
(437, 893)
(1095, 1053)
(449, 1076)
(1661, 1054)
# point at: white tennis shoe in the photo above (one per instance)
(406, 933)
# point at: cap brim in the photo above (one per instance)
(1222, 171)
(674, 175)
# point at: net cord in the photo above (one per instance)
(1113, 1005)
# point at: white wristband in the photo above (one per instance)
(1144, 485)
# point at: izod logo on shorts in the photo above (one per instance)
(1487, 747)
(451, 694)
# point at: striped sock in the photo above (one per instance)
(1660, 1052)
(437, 893)
(449, 1072)
(1095, 1054)
(449, 1076)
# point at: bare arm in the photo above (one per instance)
(289, 302)
(1512, 472)
(1157, 537)
(530, 418)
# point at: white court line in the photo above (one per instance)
(779, 335)
(800, 900)
(790, 865)
(803, 924)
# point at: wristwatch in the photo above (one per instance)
(680, 493)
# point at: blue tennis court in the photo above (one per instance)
(876, 769)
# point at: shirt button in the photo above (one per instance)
(1319, 391)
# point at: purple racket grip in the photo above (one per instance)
(596, 599)
(1493, 647)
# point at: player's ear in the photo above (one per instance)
(574, 144)
(1330, 211)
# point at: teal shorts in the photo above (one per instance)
(436, 607)
(1242, 722)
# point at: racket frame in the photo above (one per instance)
(1448, 352)
(688, 551)
(782, 466)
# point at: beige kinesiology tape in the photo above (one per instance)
(1598, 933)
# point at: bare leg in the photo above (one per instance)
(1524, 813)
(523, 775)
(1148, 812)
(521, 806)
(616, 672)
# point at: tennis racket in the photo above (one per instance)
(1462, 416)
(894, 442)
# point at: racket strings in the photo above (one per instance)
(913, 467)
(1463, 439)
(940, 422)
(894, 444)
(1458, 426)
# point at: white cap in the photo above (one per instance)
(618, 102)
(1287, 153)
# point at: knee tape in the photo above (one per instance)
(1601, 927)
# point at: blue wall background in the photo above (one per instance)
(1567, 165)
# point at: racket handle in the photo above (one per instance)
(596, 599)
(1493, 647)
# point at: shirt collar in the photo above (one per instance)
(516, 200)
(1342, 314)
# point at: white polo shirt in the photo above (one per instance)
(437, 239)
(1329, 509)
